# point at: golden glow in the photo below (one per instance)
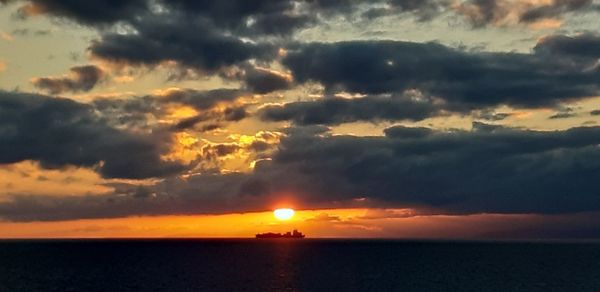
(178, 112)
(245, 225)
(546, 24)
(284, 214)
(184, 148)
(123, 79)
(6, 36)
(27, 177)
(328, 223)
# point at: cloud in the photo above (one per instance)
(240, 17)
(81, 78)
(374, 214)
(324, 217)
(60, 132)
(506, 12)
(211, 106)
(215, 106)
(489, 169)
(243, 18)
(485, 170)
(555, 9)
(233, 15)
(586, 45)
(92, 12)
(186, 40)
(199, 99)
(464, 80)
(229, 114)
(563, 113)
(261, 17)
(338, 110)
(130, 113)
(284, 18)
(491, 115)
(210, 37)
(263, 80)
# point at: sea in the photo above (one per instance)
(296, 265)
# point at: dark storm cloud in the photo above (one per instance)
(235, 113)
(189, 41)
(484, 12)
(247, 17)
(131, 113)
(418, 5)
(280, 17)
(489, 169)
(337, 110)
(81, 78)
(211, 35)
(283, 18)
(585, 45)
(202, 100)
(230, 114)
(263, 81)
(260, 17)
(59, 132)
(91, 12)
(422, 9)
(465, 80)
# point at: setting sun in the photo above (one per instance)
(284, 214)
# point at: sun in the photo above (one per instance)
(284, 214)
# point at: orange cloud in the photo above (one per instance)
(546, 24)
(6, 36)
(28, 177)
(509, 12)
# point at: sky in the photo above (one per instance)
(451, 119)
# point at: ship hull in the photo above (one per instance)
(268, 237)
(288, 235)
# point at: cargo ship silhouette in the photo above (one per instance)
(293, 234)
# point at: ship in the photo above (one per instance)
(293, 234)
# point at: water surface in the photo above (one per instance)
(296, 265)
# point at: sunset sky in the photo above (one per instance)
(470, 119)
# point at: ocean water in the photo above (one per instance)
(296, 265)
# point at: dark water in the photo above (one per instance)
(296, 265)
